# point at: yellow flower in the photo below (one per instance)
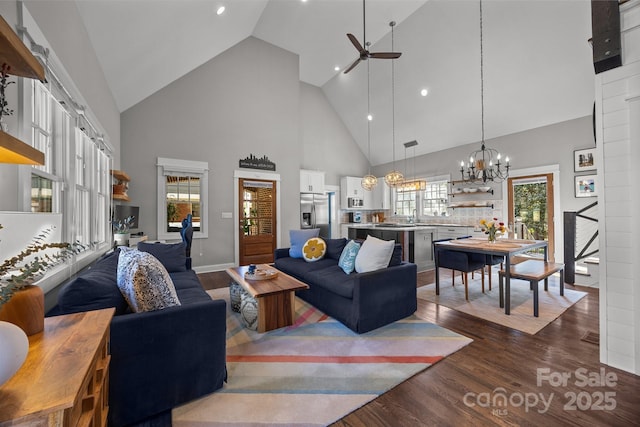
(483, 222)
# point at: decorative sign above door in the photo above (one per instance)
(252, 162)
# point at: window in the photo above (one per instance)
(435, 198)
(74, 161)
(431, 201)
(182, 190)
(405, 202)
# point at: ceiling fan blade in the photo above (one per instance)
(352, 66)
(385, 55)
(355, 42)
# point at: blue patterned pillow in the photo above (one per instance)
(347, 261)
(144, 282)
(298, 238)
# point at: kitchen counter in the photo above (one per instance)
(415, 239)
(385, 227)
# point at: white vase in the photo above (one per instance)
(122, 239)
(15, 346)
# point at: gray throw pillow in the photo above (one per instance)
(144, 282)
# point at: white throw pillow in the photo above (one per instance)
(374, 254)
(144, 282)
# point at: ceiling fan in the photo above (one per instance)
(364, 53)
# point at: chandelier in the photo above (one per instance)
(369, 181)
(393, 178)
(486, 163)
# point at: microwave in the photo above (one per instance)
(353, 202)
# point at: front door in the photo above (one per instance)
(257, 222)
(531, 208)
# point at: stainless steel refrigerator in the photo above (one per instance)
(314, 213)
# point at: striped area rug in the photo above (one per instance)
(314, 372)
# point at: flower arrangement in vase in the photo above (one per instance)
(492, 228)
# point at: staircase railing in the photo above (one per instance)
(580, 238)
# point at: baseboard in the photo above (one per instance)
(212, 268)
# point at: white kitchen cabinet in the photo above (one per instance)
(381, 196)
(311, 181)
(450, 232)
(351, 187)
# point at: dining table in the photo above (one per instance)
(501, 247)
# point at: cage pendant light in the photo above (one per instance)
(484, 164)
(395, 177)
(369, 181)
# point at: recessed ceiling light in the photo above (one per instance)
(303, 1)
(336, 68)
(369, 117)
(424, 92)
(220, 10)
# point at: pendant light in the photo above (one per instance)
(393, 178)
(484, 164)
(369, 181)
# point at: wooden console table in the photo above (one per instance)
(64, 381)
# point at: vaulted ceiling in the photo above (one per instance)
(537, 61)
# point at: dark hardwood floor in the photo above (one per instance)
(466, 387)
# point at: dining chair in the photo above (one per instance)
(464, 262)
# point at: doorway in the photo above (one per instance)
(257, 221)
(531, 208)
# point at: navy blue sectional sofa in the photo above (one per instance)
(159, 359)
(361, 301)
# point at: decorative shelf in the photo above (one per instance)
(17, 60)
(12, 150)
(120, 175)
(121, 197)
(462, 193)
(121, 186)
(469, 207)
(15, 55)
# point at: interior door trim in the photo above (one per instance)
(245, 174)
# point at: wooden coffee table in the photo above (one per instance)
(275, 296)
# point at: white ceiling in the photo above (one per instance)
(537, 62)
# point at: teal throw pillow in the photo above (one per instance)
(347, 261)
(298, 238)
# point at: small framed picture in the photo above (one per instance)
(584, 160)
(586, 186)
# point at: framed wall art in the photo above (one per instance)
(584, 160)
(586, 186)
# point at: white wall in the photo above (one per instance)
(327, 144)
(248, 100)
(618, 115)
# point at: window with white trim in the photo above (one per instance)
(433, 200)
(182, 191)
(73, 161)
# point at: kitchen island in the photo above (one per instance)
(416, 238)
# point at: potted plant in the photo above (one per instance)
(19, 272)
(121, 230)
(4, 105)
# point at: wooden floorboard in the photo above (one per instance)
(503, 360)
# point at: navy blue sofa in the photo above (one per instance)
(361, 301)
(159, 359)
